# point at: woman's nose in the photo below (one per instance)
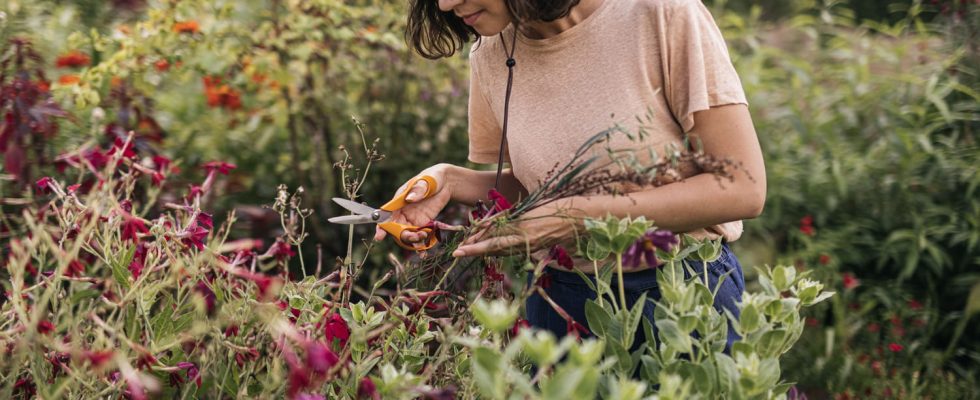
(448, 5)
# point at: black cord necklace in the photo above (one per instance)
(510, 82)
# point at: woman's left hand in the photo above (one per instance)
(545, 226)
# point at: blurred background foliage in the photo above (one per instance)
(867, 112)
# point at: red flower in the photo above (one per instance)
(336, 328)
(812, 322)
(500, 202)
(193, 192)
(367, 390)
(560, 255)
(190, 27)
(895, 347)
(824, 259)
(73, 59)
(491, 273)
(75, 269)
(194, 236)
(806, 225)
(207, 294)
(281, 250)
(162, 65)
(132, 228)
(205, 220)
(220, 166)
(914, 304)
(268, 286)
(45, 184)
(250, 355)
(97, 358)
(45, 327)
(850, 281)
(192, 372)
(139, 259)
(231, 330)
(520, 325)
(544, 281)
(874, 327)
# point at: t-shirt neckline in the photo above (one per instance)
(569, 33)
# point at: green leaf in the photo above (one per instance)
(599, 319)
(120, 272)
(973, 300)
(633, 318)
(750, 319)
(673, 337)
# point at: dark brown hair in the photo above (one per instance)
(435, 34)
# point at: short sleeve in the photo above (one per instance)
(484, 130)
(698, 70)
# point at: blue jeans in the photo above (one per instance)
(570, 292)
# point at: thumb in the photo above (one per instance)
(417, 191)
(379, 234)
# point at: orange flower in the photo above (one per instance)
(186, 27)
(69, 79)
(73, 59)
(162, 65)
(115, 81)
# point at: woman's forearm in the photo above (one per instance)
(472, 185)
(694, 203)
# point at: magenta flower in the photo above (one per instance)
(45, 327)
(520, 325)
(367, 390)
(319, 358)
(132, 227)
(194, 236)
(231, 330)
(644, 249)
(219, 166)
(575, 328)
(45, 184)
(202, 289)
(75, 269)
(850, 281)
(139, 260)
(204, 219)
(281, 250)
(97, 358)
(308, 396)
(560, 255)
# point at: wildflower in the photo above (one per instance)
(194, 236)
(189, 27)
(69, 79)
(307, 396)
(448, 393)
(72, 59)
(544, 281)
(45, 327)
(645, 248)
(96, 359)
(824, 259)
(519, 325)
(367, 390)
(139, 259)
(492, 274)
(162, 65)
(45, 184)
(193, 373)
(268, 286)
(26, 386)
(500, 202)
(193, 192)
(204, 219)
(319, 358)
(132, 228)
(914, 304)
(280, 250)
(795, 394)
(246, 356)
(874, 327)
(336, 328)
(806, 225)
(219, 166)
(126, 148)
(75, 268)
(812, 322)
(850, 281)
(231, 330)
(560, 255)
(895, 347)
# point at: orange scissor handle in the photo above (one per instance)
(399, 201)
(395, 230)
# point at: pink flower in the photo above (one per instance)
(132, 228)
(97, 358)
(895, 347)
(75, 269)
(367, 390)
(500, 202)
(194, 191)
(45, 184)
(231, 330)
(281, 250)
(319, 358)
(308, 396)
(45, 327)
(850, 281)
(202, 289)
(219, 166)
(204, 219)
(491, 273)
(336, 328)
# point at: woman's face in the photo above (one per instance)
(487, 17)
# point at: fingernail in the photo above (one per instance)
(411, 197)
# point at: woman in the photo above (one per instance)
(581, 67)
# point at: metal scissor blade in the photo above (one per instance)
(352, 219)
(357, 208)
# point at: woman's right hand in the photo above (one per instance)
(420, 211)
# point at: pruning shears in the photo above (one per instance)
(364, 214)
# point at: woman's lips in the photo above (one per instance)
(471, 19)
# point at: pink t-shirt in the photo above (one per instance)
(626, 59)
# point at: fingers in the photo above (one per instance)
(379, 234)
(489, 246)
(414, 237)
(417, 192)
